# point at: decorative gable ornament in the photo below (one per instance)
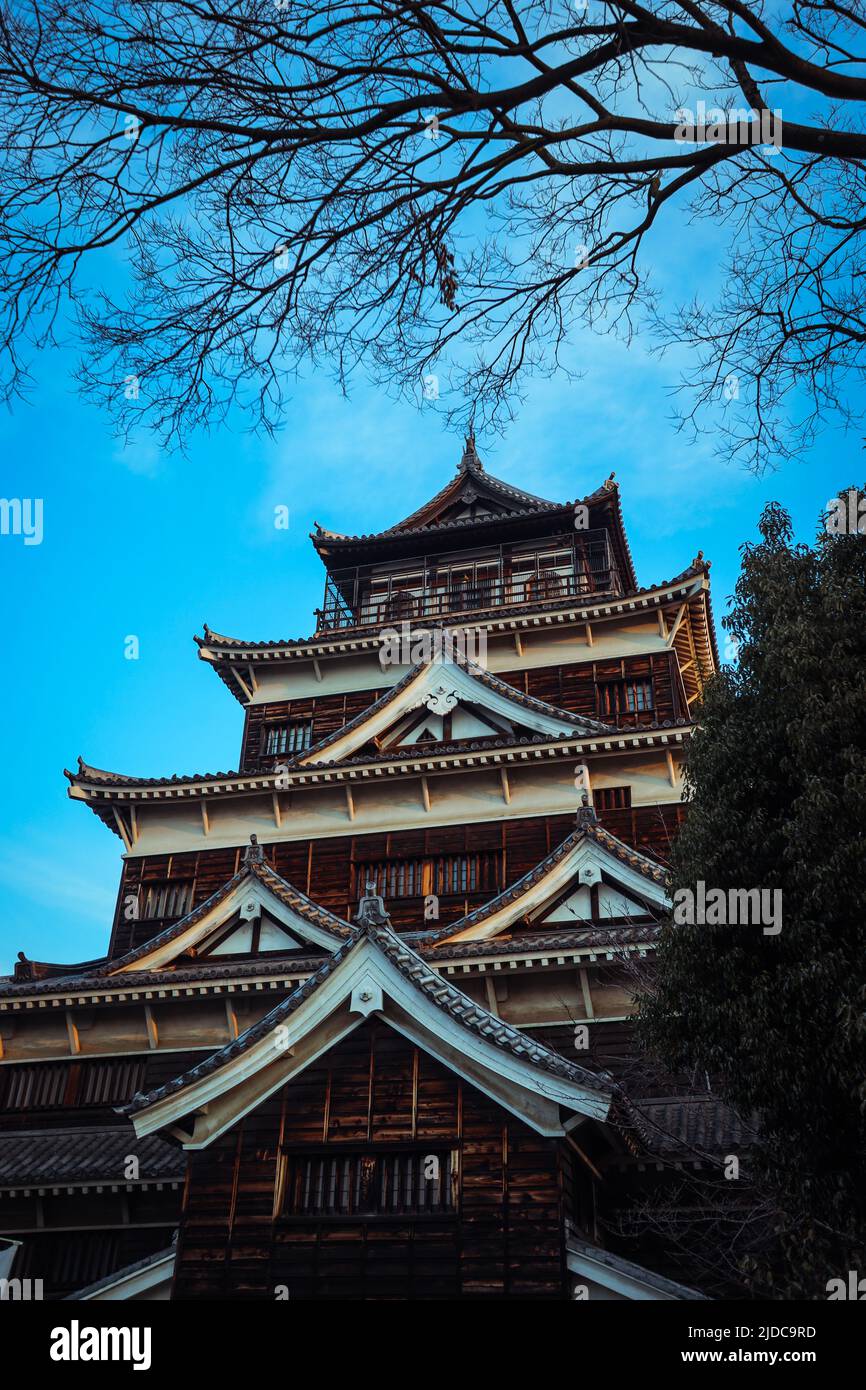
(254, 852)
(366, 998)
(441, 700)
(371, 909)
(251, 908)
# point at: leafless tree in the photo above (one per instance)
(417, 188)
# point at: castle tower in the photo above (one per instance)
(374, 982)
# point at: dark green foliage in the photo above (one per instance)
(776, 785)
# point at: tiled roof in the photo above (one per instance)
(476, 1017)
(293, 963)
(120, 1275)
(424, 752)
(29, 970)
(641, 863)
(274, 963)
(674, 1125)
(571, 939)
(87, 773)
(332, 539)
(294, 767)
(412, 752)
(444, 995)
(71, 1157)
(93, 975)
(470, 468)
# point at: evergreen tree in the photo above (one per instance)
(776, 786)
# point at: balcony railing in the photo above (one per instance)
(356, 600)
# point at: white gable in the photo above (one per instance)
(271, 936)
(248, 901)
(465, 724)
(459, 723)
(565, 894)
(366, 981)
(577, 907)
(239, 941)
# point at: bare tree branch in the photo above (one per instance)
(452, 187)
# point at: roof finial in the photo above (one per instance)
(470, 461)
(585, 813)
(371, 909)
(254, 853)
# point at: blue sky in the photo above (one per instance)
(141, 543)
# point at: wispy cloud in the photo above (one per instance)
(48, 882)
(140, 456)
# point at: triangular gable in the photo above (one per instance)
(253, 933)
(375, 973)
(424, 725)
(591, 877)
(256, 904)
(580, 905)
(473, 494)
(443, 688)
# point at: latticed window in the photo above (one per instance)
(625, 697)
(441, 874)
(369, 1183)
(611, 798)
(43, 1086)
(166, 898)
(292, 737)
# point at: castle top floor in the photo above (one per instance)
(478, 545)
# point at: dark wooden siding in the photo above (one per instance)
(573, 688)
(612, 1046)
(324, 869)
(504, 1241)
(327, 713)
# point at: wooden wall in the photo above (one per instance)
(572, 688)
(328, 714)
(324, 869)
(71, 1238)
(504, 1241)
